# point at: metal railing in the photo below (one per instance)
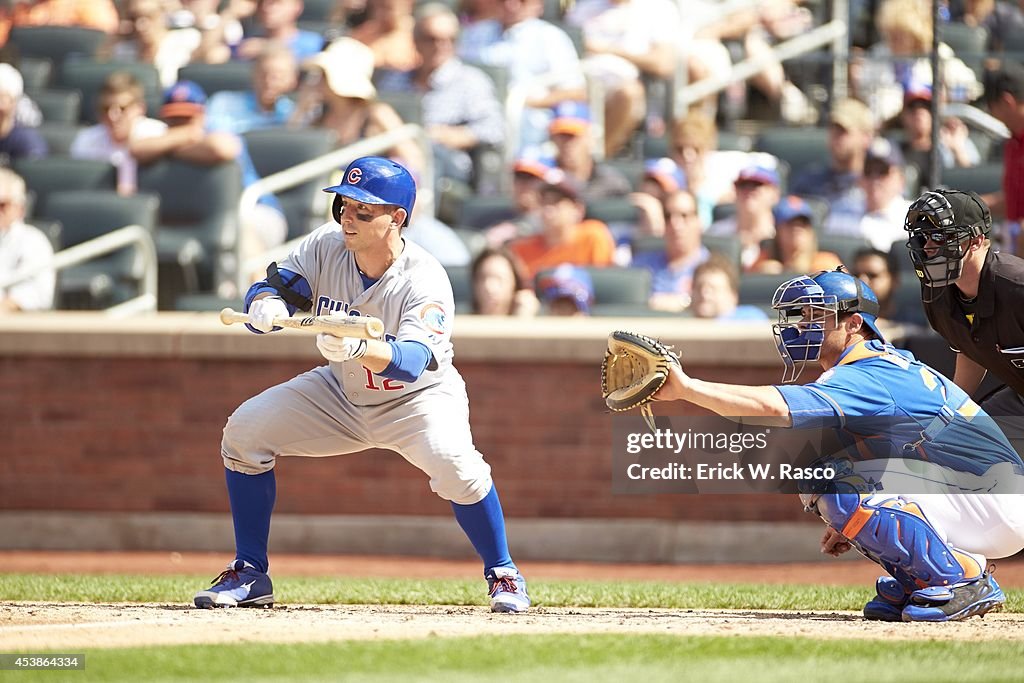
(130, 235)
(308, 170)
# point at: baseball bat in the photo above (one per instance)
(359, 326)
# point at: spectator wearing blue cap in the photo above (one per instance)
(795, 246)
(757, 193)
(187, 138)
(661, 178)
(672, 268)
(877, 214)
(566, 291)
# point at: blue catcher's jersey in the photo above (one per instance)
(883, 402)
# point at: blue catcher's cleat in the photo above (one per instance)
(889, 603)
(507, 589)
(240, 585)
(955, 603)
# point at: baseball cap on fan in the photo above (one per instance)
(667, 173)
(793, 207)
(184, 99)
(567, 282)
(571, 118)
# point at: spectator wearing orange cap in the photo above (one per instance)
(571, 133)
(564, 237)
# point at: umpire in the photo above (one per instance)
(973, 296)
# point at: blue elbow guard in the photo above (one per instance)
(896, 535)
(408, 361)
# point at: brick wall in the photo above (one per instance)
(122, 433)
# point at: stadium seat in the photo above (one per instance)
(907, 306)
(85, 215)
(87, 76)
(60, 174)
(843, 246)
(484, 211)
(276, 149)
(612, 210)
(462, 287)
(647, 244)
(56, 42)
(408, 105)
(798, 147)
(317, 10)
(969, 43)
(633, 169)
(59, 137)
(52, 229)
(726, 245)
(474, 240)
(757, 289)
(615, 285)
(213, 78)
(498, 75)
(197, 229)
(35, 72)
(982, 179)
(59, 106)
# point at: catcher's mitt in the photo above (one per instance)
(633, 370)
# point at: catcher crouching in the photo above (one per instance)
(934, 547)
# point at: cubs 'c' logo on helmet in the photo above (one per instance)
(354, 176)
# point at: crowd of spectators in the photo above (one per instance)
(703, 217)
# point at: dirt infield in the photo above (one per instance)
(28, 626)
(34, 625)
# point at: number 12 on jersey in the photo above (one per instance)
(387, 384)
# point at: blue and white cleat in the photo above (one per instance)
(507, 589)
(240, 585)
(955, 603)
(889, 603)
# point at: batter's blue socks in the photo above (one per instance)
(252, 501)
(484, 523)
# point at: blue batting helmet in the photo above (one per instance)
(376, 180)
(807, 303)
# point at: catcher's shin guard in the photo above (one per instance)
(895, 534)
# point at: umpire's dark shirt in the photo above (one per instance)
(995, 340)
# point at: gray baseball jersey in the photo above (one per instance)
(413, 298)
(345, 408)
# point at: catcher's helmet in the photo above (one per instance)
(807, 304)
(375, 180)
(940, 223)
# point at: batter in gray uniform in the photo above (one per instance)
(401, 393)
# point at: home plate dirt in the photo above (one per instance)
(27, 626)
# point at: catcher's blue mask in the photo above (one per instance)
(805, 312)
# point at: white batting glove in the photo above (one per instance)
(262, 312)
(340, 349)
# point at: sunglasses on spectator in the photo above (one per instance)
(876, 171)
(748, 184)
